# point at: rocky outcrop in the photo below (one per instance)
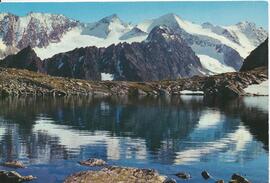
(93, 162)
(257, 58)
(14, 177)
(117, 174)
(25, 59)
(236, 178)
(13, 164)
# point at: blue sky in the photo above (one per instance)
(220, 13)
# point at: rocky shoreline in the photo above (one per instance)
(16, 82)
(113, 174)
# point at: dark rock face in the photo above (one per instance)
(81, 63)
(25, 59)
(257, 58)
(164, 55)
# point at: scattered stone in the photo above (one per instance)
(239, 178)
(13, 164)
(93, 162)
(219, 181)
(169, 180)
(205, 175)
(117, 174)
(183, 175)
(14, 177)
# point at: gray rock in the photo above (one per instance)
(169, 180)
(239, 179)
(13, 164)
(93, 162)
(117, 174)
(183, 175)
(14, 177)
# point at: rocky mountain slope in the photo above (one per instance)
(219, 48)
(164, 55)
(257, 58)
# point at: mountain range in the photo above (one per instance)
(122, 49)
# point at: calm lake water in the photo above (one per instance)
(185, 133)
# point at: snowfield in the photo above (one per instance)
(258, 89)
(213, 65)
(75, 39)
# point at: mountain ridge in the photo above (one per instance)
(164, 55)
(220, 48)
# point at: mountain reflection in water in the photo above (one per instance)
(178, 132)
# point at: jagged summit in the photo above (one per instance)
(246, 24)
(133, 33)
(110, 18)
(162, 33)
(108, 25)
(170, 16)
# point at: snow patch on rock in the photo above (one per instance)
(106, 77)
(189, 92)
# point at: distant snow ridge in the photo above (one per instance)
(220, 48)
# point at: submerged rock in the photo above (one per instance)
(219, 181)
(117, 174)
(169, 180)
(93, 162)
(183, 175)
(13, 164)
(14, 177)
(239, 179)
(206, 175)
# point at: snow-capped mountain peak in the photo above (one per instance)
(133, 33)
(162, 33)
(111, 18)
(170, 20)
(110, 26)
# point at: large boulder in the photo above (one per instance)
(117, 174)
